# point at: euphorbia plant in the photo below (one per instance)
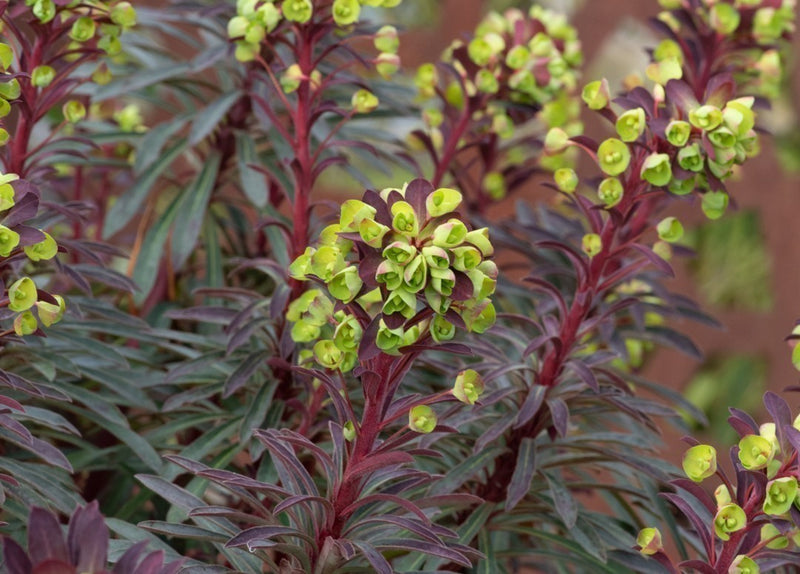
(367, 389)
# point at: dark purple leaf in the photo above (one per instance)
(45, 540)
(700, 526)
(239, 377)
(87, 539)
(417, 192)
(560, 413)
(524, 470)
(287, 503)
(29, 235)
(742, 422)
(439, 550)
(220, 315)
(25, 209)
(378, 461)
(259, 533)
(585, 373)
(16, 561)
(781, 414)
(793, 436)
(531, 405)
(564, 502)
(375, 558)
(680, 95)
(651, 256)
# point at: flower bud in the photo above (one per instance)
(304, 331)
(422, 419)
(670, 229)
(442, 330)
(102, 76)
(51, 313)
(42, 251)
(780, 495)
(596, 94)
(724, 18)
(5, 108)
(442, 201)
(486, 82)
(436, 301)
(247, 53)
(468, 387)
(466, 258)
(649, 541)
(44, 10)
(631, 124)
(22, 295)
(6, 196)
(388, 340)
(668, 49)
(400, 253)
(494, 183)
(777, 540)
(386, 40)
(346, 284)
(426, 79)
(657, 170)
(301, 266)
(518, 57)
(678, 133)
(556, 140)
(743, 564)
(706, 117)
(9, 239)
(6, 57)
(415, 274)
(436, 257)
(402, 302)
(43, 76)
(610, 191)
(353, 212)
(326, 262)
(327, 354)
(714, 204)
(364, 101)
(268, 16)
(291, 78)
(129, 118)
(389, 273)
(443, 281)
(691, 158)
(25, 324)
(481, 318)
(682, 186)
(566, 179)
(722, 495)
(372, 232)
(591, 244)
(10, 90)
(83, 29)
(663, 250)
(123, 14)
(480, 51)
(730, 518)
(664, 71)
(387, 65)
(450, 234)
(768, 24)
(345, 12)
(755, 452)
(349, 431)
(348, 334)
(299, 11)
(613, 156)
(700, 462)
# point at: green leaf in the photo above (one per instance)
(129, 203)
(148, 260)
(523, 473)
(193, 205)
(207, 120)
(153, 142)
(465, 470)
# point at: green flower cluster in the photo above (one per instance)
(256, 18)
(22, 296)
(335, 334)
(98, 21)
(529, 59)
(757, 23)
(406, 259)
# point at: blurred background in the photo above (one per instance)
(746, 272)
